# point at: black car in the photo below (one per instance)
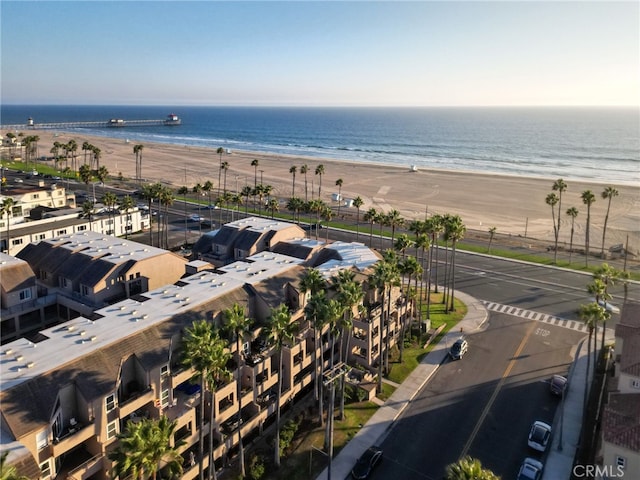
(366, 463)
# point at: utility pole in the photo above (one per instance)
(330, 378)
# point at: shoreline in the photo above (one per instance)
(513, 204)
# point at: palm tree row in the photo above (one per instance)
(588, 199)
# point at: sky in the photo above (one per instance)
(330, 53)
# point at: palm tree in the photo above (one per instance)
(8, 472)
(317, 206)
(280, 331)
(110, 201)
(6, 207)
(204, 351)
(303, 170)
(144, 446)
(225, 168)
(402, 243)
(86, 147)
(607, 194)
(371, 217)
(292, 170)
(97, 153)
(423, 242)
(273, 206)
(552, 201)
(608, 275)
(102, 173)
(411, 268)
(166, 199)
(590, 314)
(208, 188)
(435, 227)
(255, 163)
(126, 204)
(327, 215)
(456, 233)
(573, 213)
(320, 172)
(259, 192)
(87, 212)
(469, 469)
(349, 295)
(238, 323)
(137, 150)
(86, 175)
(384, 277)
(316, 313)
(492, 232)
(246, 193)
(339, 183)
(394, 220)
(197, 191)
(295, 205)
(358, 202)
(588, 198)
(184, 191)
(220, 151)
(559, 186)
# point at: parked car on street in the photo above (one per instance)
(607, 306)
(558, 385)
(458, 349)
(539, 436)
(196, 218)
(366, 463)
(531, 469)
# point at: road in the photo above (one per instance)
(482, 405)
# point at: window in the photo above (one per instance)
(164, 370)
(164, 398)
(25, 295)
(42, 236)
(110, 402)
(35, 195)
(61, 232)
(112, 429)
(635, 383)
(621, 462)
(42, 439)
(84, 290)
(82, 228)
(45, 469)
(63, 282)
(16, 241)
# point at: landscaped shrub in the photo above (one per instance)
(287, 433)
(355, 394)
(255, 469)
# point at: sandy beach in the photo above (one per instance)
(512, 204)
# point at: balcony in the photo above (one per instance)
(135, 401)
(71, 437)
(87, 469)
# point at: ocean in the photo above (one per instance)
(593, 144)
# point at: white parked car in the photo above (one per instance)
(531, 469)
(196, 218)
(539, 436)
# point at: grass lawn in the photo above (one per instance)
(413, 353)
(297, 463)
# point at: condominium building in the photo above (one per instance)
(67, 392)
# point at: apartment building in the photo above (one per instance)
(620, 449)
(73, 275)
(68, 392)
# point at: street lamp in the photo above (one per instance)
(330, 377)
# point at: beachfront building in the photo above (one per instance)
(75, 274)
(620, 451)
(243, 238)
(67, 392)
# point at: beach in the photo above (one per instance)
(514, 205)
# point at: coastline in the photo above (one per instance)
(512, 204)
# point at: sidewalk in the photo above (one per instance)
(378, 425)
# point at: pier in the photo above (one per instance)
(171, 120)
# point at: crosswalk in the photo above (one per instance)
(540, 317)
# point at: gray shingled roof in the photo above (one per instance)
(17, 277)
